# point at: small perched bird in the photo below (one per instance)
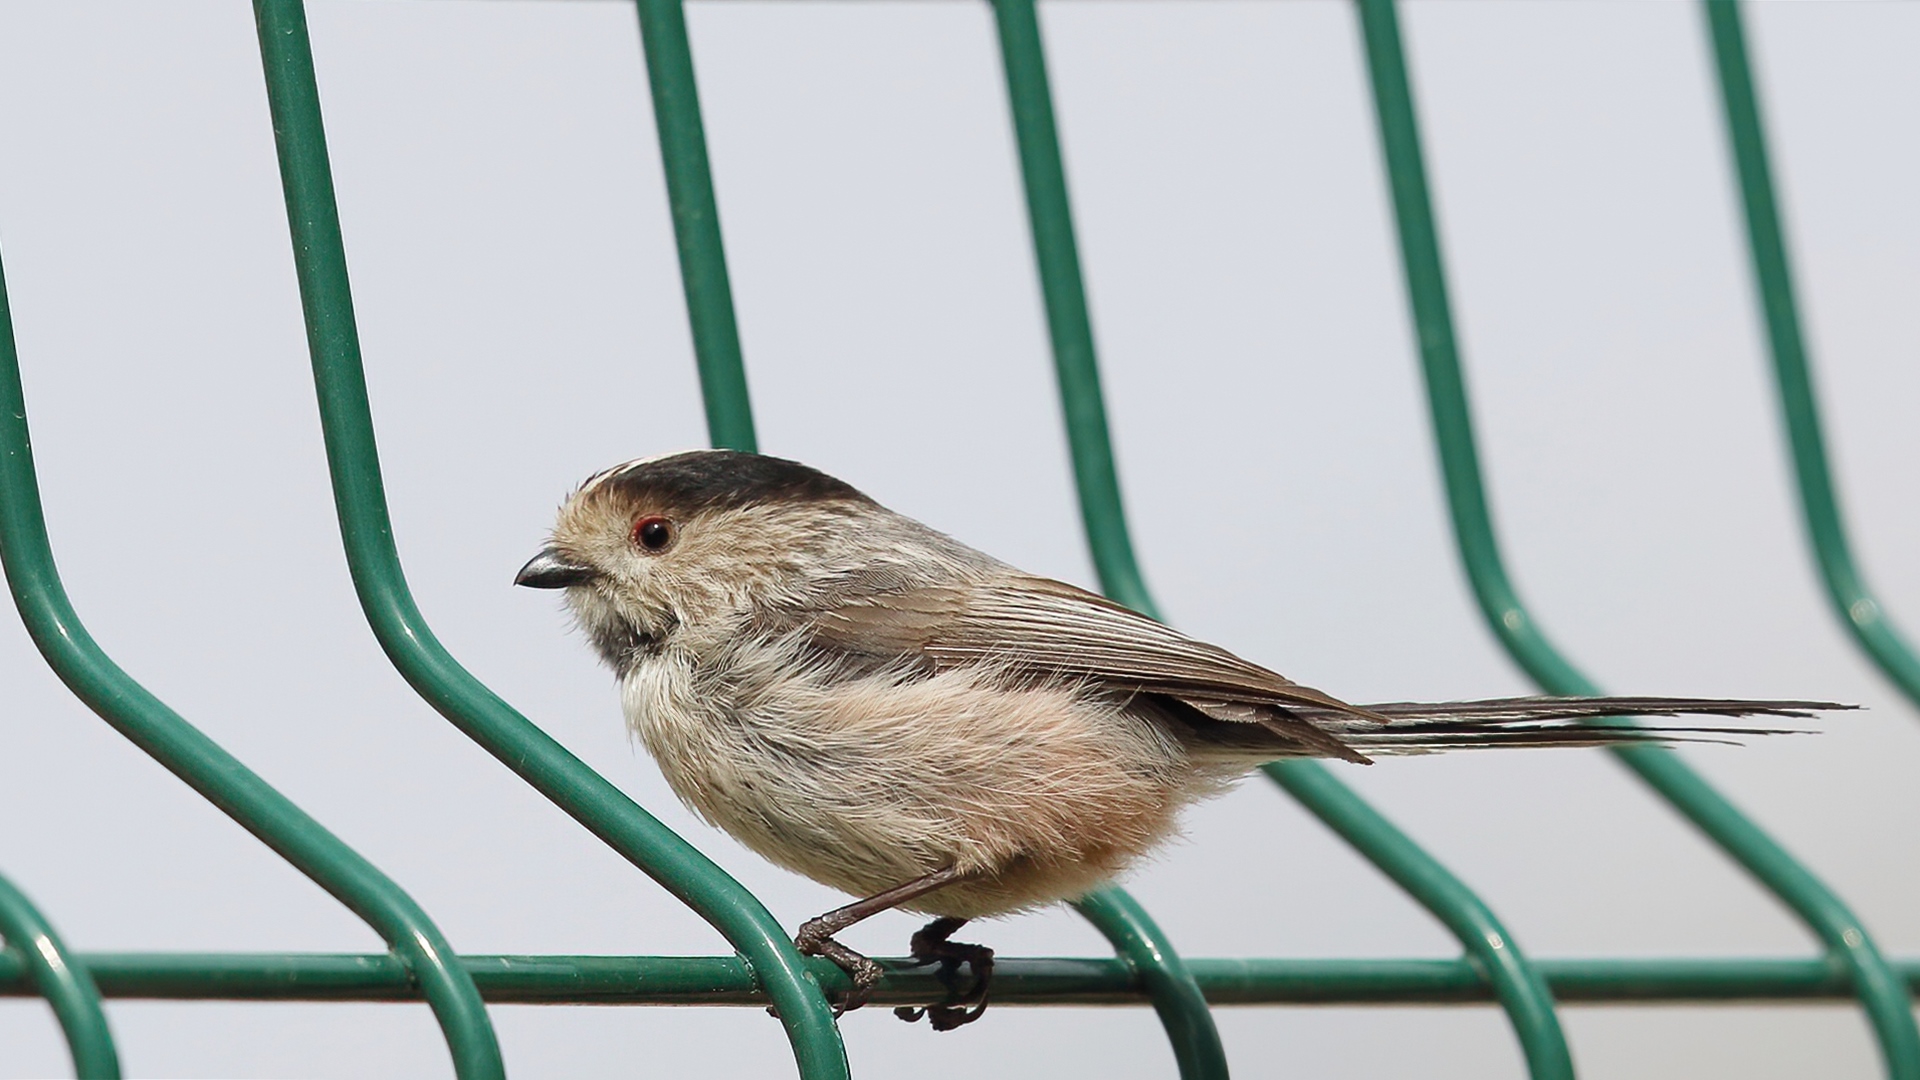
(877, 706)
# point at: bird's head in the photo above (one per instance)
(697, 539)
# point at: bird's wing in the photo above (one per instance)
(1038, 625)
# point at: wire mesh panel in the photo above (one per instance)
(422, 963)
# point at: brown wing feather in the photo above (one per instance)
(1041, 625)
(1048, 627)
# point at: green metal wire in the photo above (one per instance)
(1879, 989)
(1182, 1008)
(360, 499)
(1163, 976)
(187, 753)
(1522, 989)
(1017, 981)
(1859, 612)
(1522, 993)
(1069, 326)
(723, 386)
(696, 223)
(51, 971)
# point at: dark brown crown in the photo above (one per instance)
(701, 480)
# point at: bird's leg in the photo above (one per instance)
(816, 935)
(930, 944)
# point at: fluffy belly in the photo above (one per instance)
(866, 783)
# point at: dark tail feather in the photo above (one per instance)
(1426, 727)
(1498, 710)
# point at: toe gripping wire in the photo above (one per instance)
(683, 150)
(366, 530)
(1881, 992)
(1522, 993)
(66, 985)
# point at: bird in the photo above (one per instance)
(875, 705)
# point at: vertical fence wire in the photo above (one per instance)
(63, 981)
(1523, 994)
(696, 223)
(366, 531)
(1125, 924)
(186, 752)
(1880, 990)
(1177, 998)
(1866, 621)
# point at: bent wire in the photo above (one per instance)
(186, 752)
(1865, 619)
(723, 386)
(1163, 976)
(1523, 994)
(360, 498)
(50, 969)
(1880, 991)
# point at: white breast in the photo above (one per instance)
(866, 782)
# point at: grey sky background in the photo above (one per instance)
(523, 325)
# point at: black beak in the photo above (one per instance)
(552, 570)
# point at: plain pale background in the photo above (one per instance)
(523, 325)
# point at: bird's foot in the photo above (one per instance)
(931, 944)
(816, 939)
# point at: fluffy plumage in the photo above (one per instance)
(866, 701)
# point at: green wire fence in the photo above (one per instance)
(766, 968)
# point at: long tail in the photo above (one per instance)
(1426, 727)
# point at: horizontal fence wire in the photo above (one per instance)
(1017, 981)
(366, 530)
(44, 967)
(1862, 615)
(1884, 998)
(188, 753)
(1522, 993)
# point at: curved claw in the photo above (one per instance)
(931, 944)
(813, 940)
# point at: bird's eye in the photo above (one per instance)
(653, 533)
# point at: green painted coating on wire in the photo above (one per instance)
(696, 223)
(1859, 612)
(360, 499)
(1069, 325)
(723, 387)
(1880, 990)
(1182, 1008)
(52, 971)
(1167, 981)
(186, 752)
(1018, 981)
(1522, 993)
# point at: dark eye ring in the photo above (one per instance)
(653, 533)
